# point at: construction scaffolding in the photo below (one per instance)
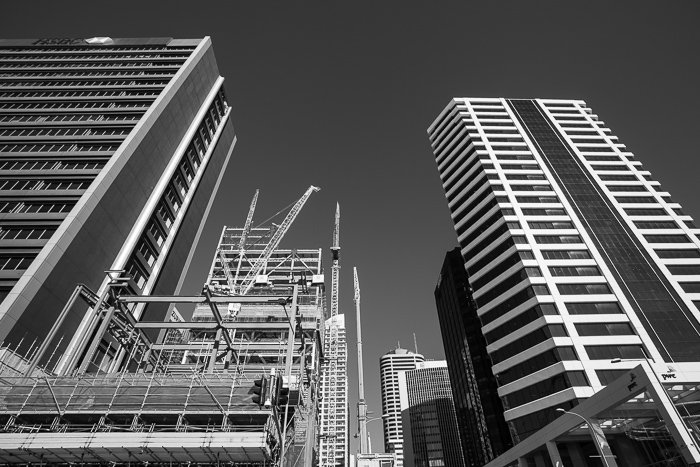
(236, 384)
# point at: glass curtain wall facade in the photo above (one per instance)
(483, 431)
(430, 433)
(575, 255)
(111, 151)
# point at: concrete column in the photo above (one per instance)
(522, 462)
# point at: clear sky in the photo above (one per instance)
(339, 95)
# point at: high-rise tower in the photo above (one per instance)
(111, 152)
(333, 408)
(390, 364)
(428, 416)
(483, 430)
(577, 259)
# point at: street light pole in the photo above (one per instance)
(594, 435)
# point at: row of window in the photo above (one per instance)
(49, 184)
(542, 309)
(82, 74)
(15, 262)
(30, 232)
(544, 388)
(8, 66)
(118, 83)
(148, 248)
(11, 57)
(141, 105)
(43, 164)
(70, 118)
(77, 94)
(50, 131)
(59, 147)
(29, 207)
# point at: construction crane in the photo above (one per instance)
(230, 278)
(249, 280)
(244, 235)
(361, 404)
(335, 269)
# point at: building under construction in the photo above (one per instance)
(333, 439)
(237, 384)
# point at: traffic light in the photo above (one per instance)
(260, 391)
(282, 391)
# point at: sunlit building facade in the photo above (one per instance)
(390, 364)
(579, 263)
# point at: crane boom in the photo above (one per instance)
(244, 237)
(248, 221)
(227, 272)
(249, 280)
(361, 404)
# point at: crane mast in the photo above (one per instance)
(335, 269)
(361, 404)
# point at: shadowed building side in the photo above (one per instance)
(483, 430)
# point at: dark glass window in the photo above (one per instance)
(607, 352)
(515, 300)
(645, 211)
(593, 308)
(583, 289)
(497, 270)
(529, 366)
(543, 212)
(544, 388)
(604, 329)
(608, 376)
(667, 238)
(685, 270)
(694, 253)
(507, 284)
(537, 199)
(656, 225)
(691, 287)
(544, 239)
(520, 320)
(565, 254)
(574, 271)
(527, 341)
(550, 225)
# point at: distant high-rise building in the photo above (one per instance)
(576, 257)
(390, 365)
(333, 408)
(430, 433)
(111, 152)
(482, 428)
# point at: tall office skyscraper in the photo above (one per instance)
(483, 431)
(111, 151)
(390, 365)
(575, 255)
(430, 433)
